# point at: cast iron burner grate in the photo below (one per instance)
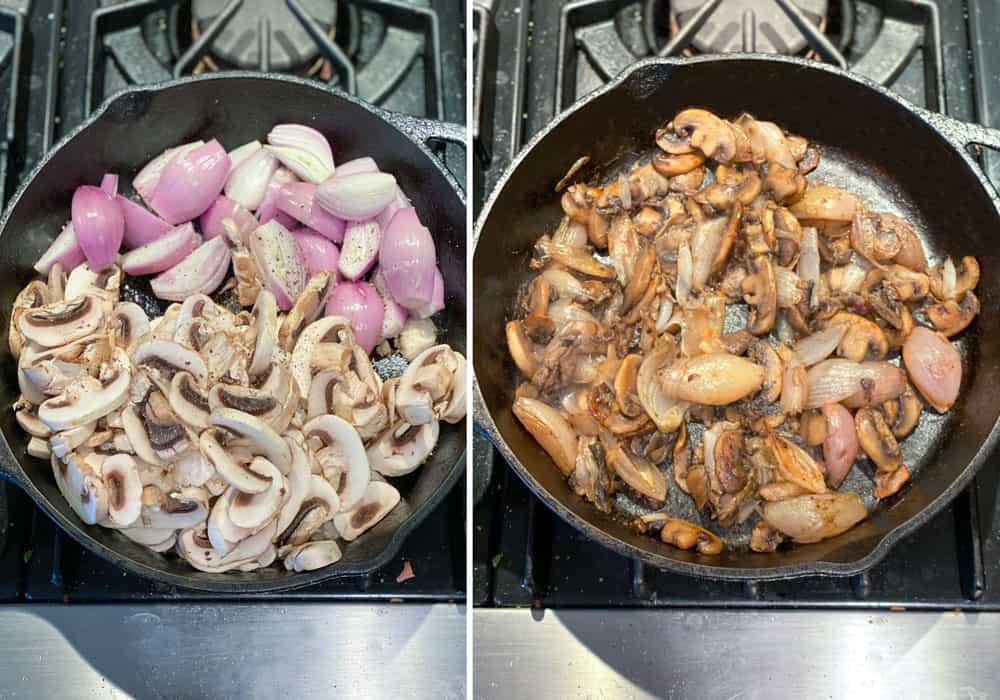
(376, 49)
(546, 54)
(125, 43)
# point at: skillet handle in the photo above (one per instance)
(429, 131)
(965, 134)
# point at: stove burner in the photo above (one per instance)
(238, 43)
(748, 25)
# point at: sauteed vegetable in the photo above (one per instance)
(237, 436)
(710, 320)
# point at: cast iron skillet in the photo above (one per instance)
(128, 130)
(898, 157)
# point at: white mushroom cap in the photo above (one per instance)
(121, 478)
(194, 546)
(35, 294)
(81, 488)
(311, 555)
(261, 437)
(426, 385)
(265, 316)
(342, 454)
(255, 402)
(251, 510)
(86, 401)
(317, 508)
(61, 322)
(27, 418)
(404, 448)
(380, 498)
(83, 280)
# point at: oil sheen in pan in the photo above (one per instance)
(877, 191)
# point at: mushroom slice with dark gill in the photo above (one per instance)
(318, 507)
(129, 326)
(34, 295)
(81, 487)
(175, 510)
(124, 488)
(86, 399)
(251, 510)
(306, 309)
(403, 448)
(162, 359)
(255, 434)
(683, 534)
(188, 401)
(236, 473)
(265, 320)
(341, 454)
(61, 322)
(380, 498)
(254, 402)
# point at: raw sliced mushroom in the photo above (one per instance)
(235, 472)
(81, 487)
(251, 510)
(342, 456)
(306, 309)
(222, 532)
(64, 442)
(34, 295)
(330, 331)
(61, 322)
(425, 387)
(129, 326)
(380, 498)
(86, 399)
(265, 320)
(38, 447)
(403, 448)
(310, 555)
(257, 403)
(162, 359)
(299, 484)
(258, 435)
(188, 400)
(176, 510)
(319, 506)
(150, 536)
(124, 488)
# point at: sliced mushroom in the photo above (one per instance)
(66, 441)
(235, 472)
(342, 456)
(308, 306)
(403, 448)
(685, 535)
(83, 280)
(81, 487)
(175, 510)
(265, 320)
(319, 506)
(124, 488)
(822, 203)
(906, 410)
(951, 317)
(222, 532)
(700, 129)
(948, 282)
(310, 555)
(299, 484)
(38, 447)
(761, 352)
(877, 440)
(863, 340)
(34, 295)
(457, 405)
(254, 402)
(380, 498)
(253, 552)
(551, 430)
(162, 359)
(815, 517)
(86, 399)
(61, 322)
(251, 510)
(129, 326)
(425, 387)
(764, 538)
(188, 401)
(635, 470)
(154, 538)
(258, 435)
(332, 331)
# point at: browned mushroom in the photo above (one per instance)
(699, 129)
(552, 431)
(764, 538)
(669, 165)
(948, 282)
(625, 386)
(951, 317)
(864, 340)
(761, 293)
(903, 412)
(761, 352)
(878, 442)
(685, 535)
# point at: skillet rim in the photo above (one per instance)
(416, 130)
(955, 133)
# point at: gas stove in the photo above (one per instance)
(58, 61)
(542, 56)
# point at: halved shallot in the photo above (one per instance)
(190, 183)
(201, 272)
(161, 254)
(408, 259)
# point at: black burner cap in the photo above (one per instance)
(763, 21)
(291, 45)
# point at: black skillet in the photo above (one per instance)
(898, 157)
(128, 130)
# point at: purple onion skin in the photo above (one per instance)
(99, 226)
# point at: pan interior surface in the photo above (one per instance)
(137, 126)
(871, 145)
